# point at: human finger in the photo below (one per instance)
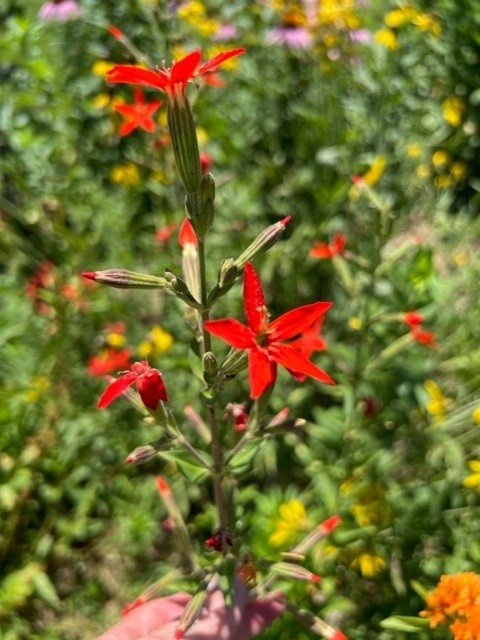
(147, 617)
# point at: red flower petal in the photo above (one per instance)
(294, 322)
(339, 243)
(290, 358)
(127, 127)
(137, 75)
(262, 372)
(184, 70)
(116, 388)
(412, 318)
(321, 250)
(232, 331)
(218, 59)
(151, 388)
(254, 300)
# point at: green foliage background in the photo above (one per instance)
(81, 531)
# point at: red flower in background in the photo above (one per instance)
(164, 234)
(138, 114)
(109, 360)
(148, 381)
(324, 250)
(414, 321)
(173, 80)
(206, 162)
(263, 340)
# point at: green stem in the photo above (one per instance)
(216, 450)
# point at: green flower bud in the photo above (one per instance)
(263, 242)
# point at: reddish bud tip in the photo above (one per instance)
(315, 578)
(187, 234)
(89, 275)
(285, 220)
(129, 459)
(337, 635)
(330, 524)
(179, 634)
(162, 486)
(115, 32)
(356, 179)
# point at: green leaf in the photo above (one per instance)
(191, 468)
(410, 624)
(46, 591)
(244, 458)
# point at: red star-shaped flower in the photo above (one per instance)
(138, 114)
(149, 385)
(263, 340)
(173, 80)
(323, 250)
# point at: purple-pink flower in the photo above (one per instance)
(59, 10)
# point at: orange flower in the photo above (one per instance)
(456, 601)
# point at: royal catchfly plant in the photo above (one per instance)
(139, 114)
(148, 381)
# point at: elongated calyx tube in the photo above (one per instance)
(266, 239)
(124, 279)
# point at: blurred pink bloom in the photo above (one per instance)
(292, 36)
(362, 36)
(59, 10)
(225, 32)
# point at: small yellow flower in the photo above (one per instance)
(423, 171)
(159, 341)
(160, 176)
(291, 521)
(414, 150)
(101, 101)
(354, 193)
(39, 385)
(440, 158)
(453, 109)
(100, 67)
(476, 415)
(369, 564)
(458, 170)
(442, 182)
(373, 175)
(398, 17)
(355, 323)
(427, 23)
(473, 480)
(125, 174)
(202, 136)
(437, 404)
(115, 340)
(460, 258)
(388, 38)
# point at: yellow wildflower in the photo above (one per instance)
(437, 404)
(115, 340)
(202, 136)
(388, 38)
(398, 17)
(160, 176)
(426, 22)
(125, 174)
(369, 564)
(472, 481)
(372, 507)
(414, 150)
(355, 323)
(422, 171)
(101, 101)
(100, 67)
(453, 109)
(373, 175)
(440, 157)
(354, 193)
(159, 341)
(39, 385)
(458, 170)
(460, 259)
(292, 520)
(441, 182)
(476, 415)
